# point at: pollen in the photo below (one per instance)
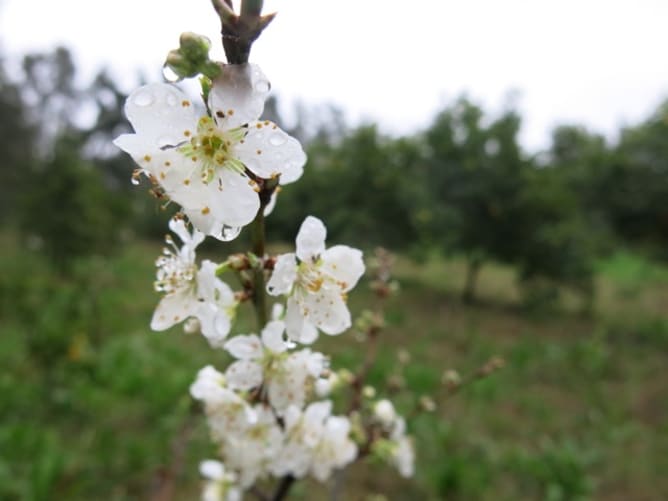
(258, 125)
(186, 182)
(193, 158)
(230, 112)
(205, 211)
(186, 133)
(168, 163)
(259, 152)
(185, 103)
(147, 158)
(162, 175)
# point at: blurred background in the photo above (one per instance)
(514, 157)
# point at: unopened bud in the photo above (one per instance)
(384, 412)
(194, 46)
(403, 356)
(451, 378)
(369, 391)
(427, 403)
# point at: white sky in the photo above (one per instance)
(597, 62)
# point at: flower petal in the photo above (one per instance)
(297, 327)
(272, 336)
(160, 115)
(269, 151)
(172, 309)
(311, 239)
(244, 375)
(245, 347)
(238, 94)
(283, 276)
(326, 310)
(344, 264)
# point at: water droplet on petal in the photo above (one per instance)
(229, 232)
(164, 141)
(262, 85)
(172, 100)
(143, 98)
(170, 75)
(277, 139)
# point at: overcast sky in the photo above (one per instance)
(598, 62)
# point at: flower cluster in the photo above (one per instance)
(269, 411)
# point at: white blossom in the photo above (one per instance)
(316, 282)
(226, 411)
(316, 442)
(251, 452)
(220, 484)
(384, 412)
(265, 361)
(200, 161)
(190, 291)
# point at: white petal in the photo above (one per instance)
(238, 94)
(228, 199)
(245, 347)
(244, 375)
(215, 324)
(212, 469)
(284, 392)
(269, 208)
(160, 115)
(178, 226)
(272, 336)
(283, 276)
(345, 264)
(297, 327)
(172, 309)
(311, 239)
(317, 412)
(327, 310)
(213, 289)
(268, 152)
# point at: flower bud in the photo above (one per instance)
(384, 412)
(194, 46)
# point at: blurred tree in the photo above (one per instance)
(16, 148)
(636, 185)
(473, 181)
(68, 210)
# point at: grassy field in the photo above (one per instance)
(95, 406)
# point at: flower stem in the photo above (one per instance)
(258, 237)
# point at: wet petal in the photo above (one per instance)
(160, 115)
(311, 239)
(283, 276)
(272, 336)
(268, 152)
(238, 94)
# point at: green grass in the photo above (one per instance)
(95, 406)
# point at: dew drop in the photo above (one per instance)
(166, 141)
(262, 86)
(170, 75)
(229, 232)
(143, 98)
(172, 100)
(277, 139)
